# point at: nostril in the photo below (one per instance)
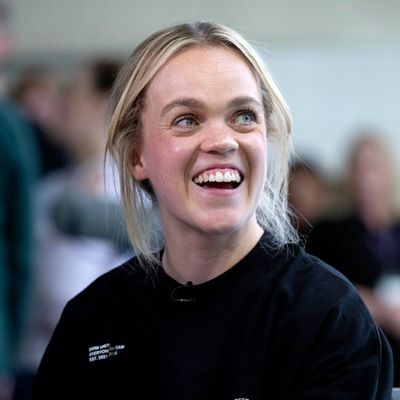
(220, 144)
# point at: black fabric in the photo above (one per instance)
(347, 245)
(360, 255)
(275, 326)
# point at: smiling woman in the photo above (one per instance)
(231, 306)
(262, 107)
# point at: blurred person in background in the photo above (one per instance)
(18, 168)
(37, 92)
(310, 195)
(65, 263)
(365, 244)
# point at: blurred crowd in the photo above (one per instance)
(77, 224)
(61, 225)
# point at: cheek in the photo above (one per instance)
(165, 162)
(259, 150)
(259, 166)
(179, 154)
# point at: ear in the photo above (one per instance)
(138, 166)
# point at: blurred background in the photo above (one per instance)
(337, 64)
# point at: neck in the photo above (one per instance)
(199, 257)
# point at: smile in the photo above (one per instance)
(226, 178)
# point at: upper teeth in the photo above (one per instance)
(218, 176)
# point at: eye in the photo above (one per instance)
(246, 117)
(186, 121)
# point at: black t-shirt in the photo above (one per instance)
(277, 325)
(364, 257)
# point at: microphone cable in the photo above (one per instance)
(180, 299)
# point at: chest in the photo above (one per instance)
(158, 355)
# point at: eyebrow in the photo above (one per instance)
(244, 100)
(194, 103)
(183, 102)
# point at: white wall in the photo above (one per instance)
(333, 91)
(337, 62)
(89, 25)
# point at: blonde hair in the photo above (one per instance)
(125, 129)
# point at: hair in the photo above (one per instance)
(125, 129)
(309, 166)
(31, 78)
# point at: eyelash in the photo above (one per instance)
(253, 114)
(185, 116)
(250, 112)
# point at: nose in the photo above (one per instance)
(218, 139)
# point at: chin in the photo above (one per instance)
(222, 224)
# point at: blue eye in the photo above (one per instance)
(186, 121)
(245, 118)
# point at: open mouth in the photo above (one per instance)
(219, 179)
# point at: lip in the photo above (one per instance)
(218, 166)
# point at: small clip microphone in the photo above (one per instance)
(179, 298)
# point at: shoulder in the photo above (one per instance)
(301, 267)
(109, 290)
(323, 303)
(309, 268)
(335, 335)
(315, 288)
(303, 284)
(12, 119)
(17, 139)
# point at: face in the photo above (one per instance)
(371, 176)
(83, 110)
(204, 142)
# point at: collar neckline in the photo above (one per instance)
(220, 292)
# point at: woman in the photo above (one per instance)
(231, 307)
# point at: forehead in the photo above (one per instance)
(203, 72)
